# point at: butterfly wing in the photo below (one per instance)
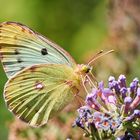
(37, 93)
(21, 47)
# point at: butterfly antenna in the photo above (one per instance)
(98, 55)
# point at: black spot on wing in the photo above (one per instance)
(44, 51)
(19, 60)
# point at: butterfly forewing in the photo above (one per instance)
(21, 47)
(38, 92)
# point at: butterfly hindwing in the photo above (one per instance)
(21, 47)
(38, 92)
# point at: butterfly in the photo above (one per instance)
(42, 77)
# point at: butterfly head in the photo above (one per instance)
(84, 69)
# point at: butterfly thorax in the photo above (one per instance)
(74, 80)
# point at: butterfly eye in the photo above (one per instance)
(44, 51)
(89, 68)
(86, 68)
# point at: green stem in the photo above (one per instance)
(94, 133)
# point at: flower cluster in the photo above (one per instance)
(112, 112)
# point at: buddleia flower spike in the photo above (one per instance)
(111, 112)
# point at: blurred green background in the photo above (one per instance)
(81, 27)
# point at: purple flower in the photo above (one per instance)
(110, 110)
(84, 115)
(136, 100)
(84, 112)
(78, 122)
(127, 102)
(92, 102)
(107, 92)
(123, 92)
(122, 81)
(111, 79)
(134, 85)
(112, 99)
(116, 87)
(138, 92)
(101, 85)
(137, 113)
(105, 122)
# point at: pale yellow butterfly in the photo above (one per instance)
(43, 78)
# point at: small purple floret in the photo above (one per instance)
(110, 82)
(122, 81)
(123, 91)
(111, 78)
(101, 85)
(112, 99)
(138, 92)
(134, 85)
(127, 100)
(107, 92)
(79, 123)
(116, 87)
(137, 112)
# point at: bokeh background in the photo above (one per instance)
(81, 27)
